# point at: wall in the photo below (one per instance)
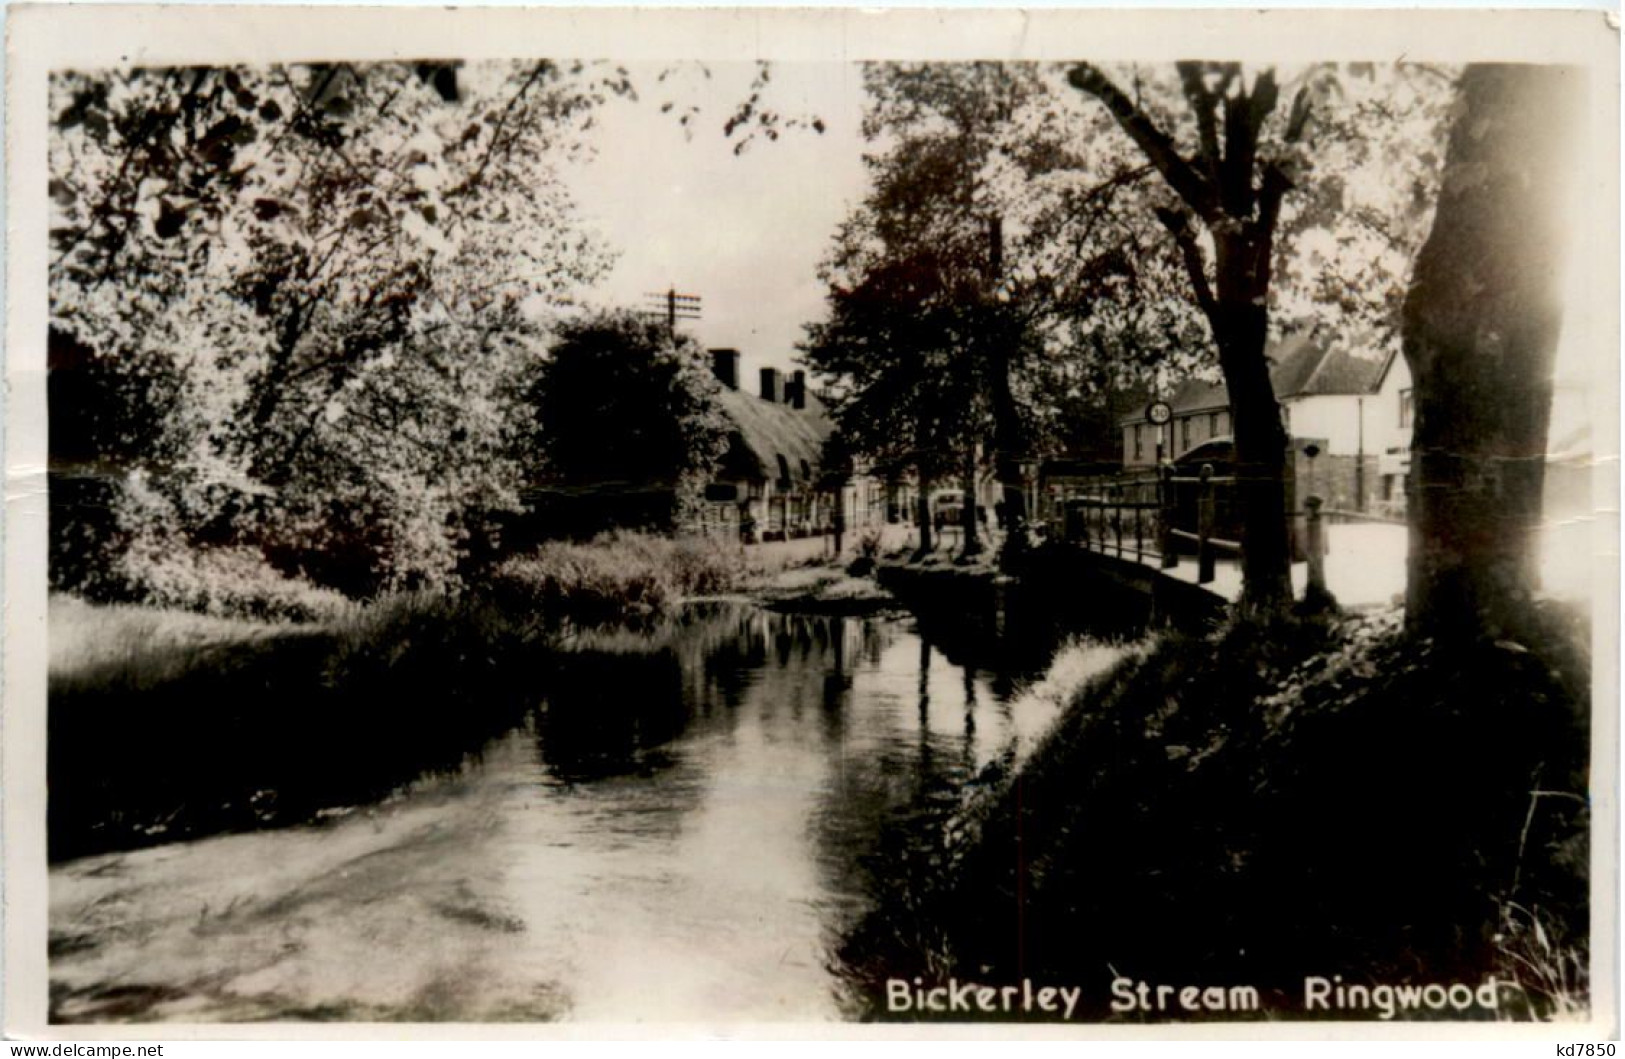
(1203, 425)
(1334, 419)
(1388, 438)
(1385, 434)
(1337, 480)
(1189, 430)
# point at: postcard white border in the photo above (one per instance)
(46, 37)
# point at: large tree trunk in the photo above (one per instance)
(973, 541)
(1008, 436)
(1237, 194)
(922, 511)
(1241, 330)
(1481, 322)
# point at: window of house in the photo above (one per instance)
(1185, 432)
(1139, 445)
(1405, 408)
(784, 468)
(1213, 424)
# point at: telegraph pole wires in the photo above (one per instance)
(674, 307)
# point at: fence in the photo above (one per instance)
(1157, 514)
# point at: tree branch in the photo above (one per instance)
(1265, 95)
(1275, 184)
(1204, 105)
(1298, 117)
(502, 120)
(1276, 181)
(1178, 225)
(1244, 117)
(1273, 188)
(1189, 183)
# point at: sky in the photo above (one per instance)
(747, 231)
(744, 232)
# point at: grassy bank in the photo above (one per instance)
(1264, 804)
(620, 576)
(167, 724)
(164, 724)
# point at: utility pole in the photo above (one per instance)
(674, 307)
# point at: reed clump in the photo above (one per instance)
(620, 576)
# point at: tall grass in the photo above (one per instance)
(1545, 967)
(168, 723)
(225, 582)
(164, 725)
(620, 576)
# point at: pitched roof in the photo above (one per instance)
(1318, 373)
(1299, 367)
(1194, 395)
(767, 430)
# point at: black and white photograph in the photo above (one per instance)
(1048, 521)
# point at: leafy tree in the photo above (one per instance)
(928, 213)
(1481, 325)
(1234, 150)
(317, 266)
(895, 383)
(1236, 193)
(106, 419)
(978, 237)
(628, 419)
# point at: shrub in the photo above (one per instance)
(619, 576)
(221, 582)
(1329, 793)
(164, 725)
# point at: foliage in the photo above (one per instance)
(224, 582)
(1087, 293)
(620, 576)
(299, 298)
(901, 392)
(1373, 820)
(1346, 172)
(623, 404)
(165, 726)
(1230, 156)
(964, 291)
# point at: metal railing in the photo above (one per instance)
(1139, 515)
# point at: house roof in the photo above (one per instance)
(766, 430)
(1299, 367)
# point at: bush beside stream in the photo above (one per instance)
(166, 724)
(161, 728)
(1311, 798)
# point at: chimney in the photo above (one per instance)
(770, 384)
(795, 391)
(725, 366)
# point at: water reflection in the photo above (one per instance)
(707, 799)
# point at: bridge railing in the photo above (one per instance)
(1121, 516)
(1147, 513)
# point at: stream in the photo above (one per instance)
(680, 830)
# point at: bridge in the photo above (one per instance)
(1143, 529)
